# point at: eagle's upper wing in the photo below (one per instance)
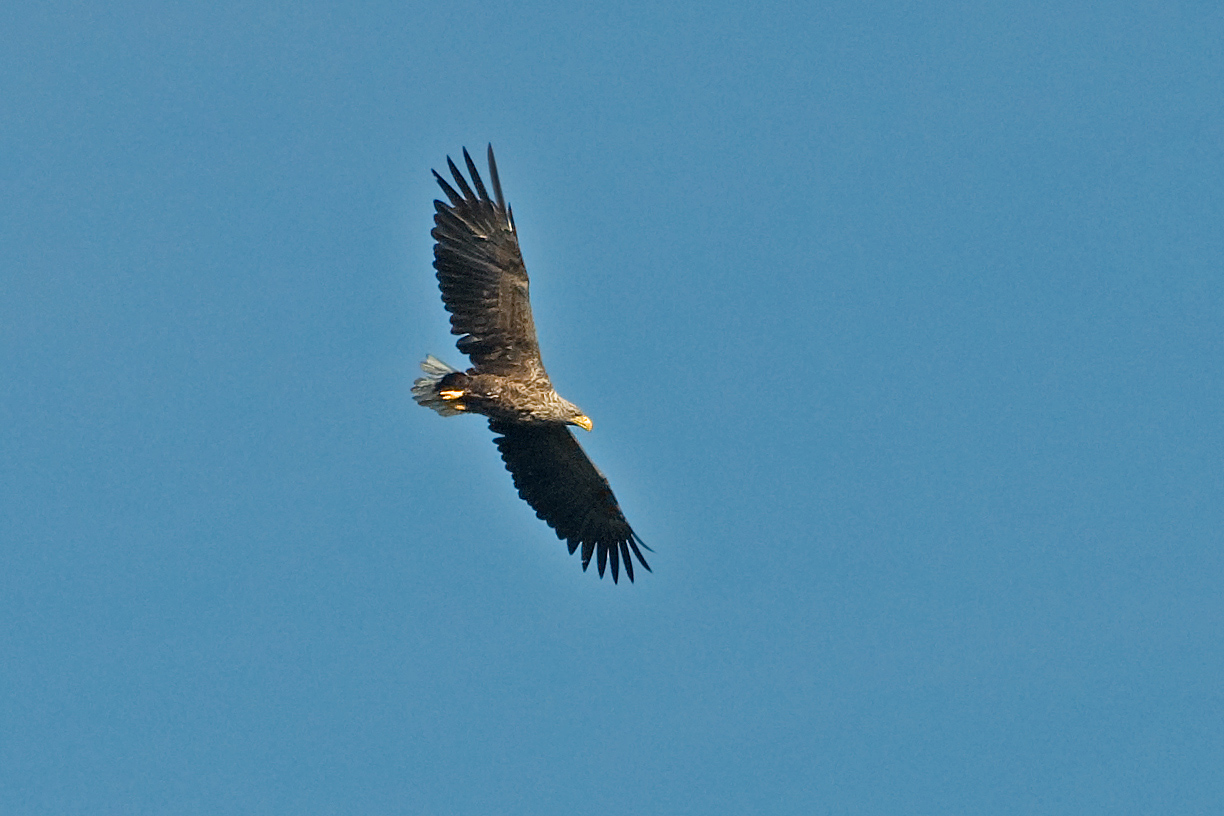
(555, 476)
(481, 273)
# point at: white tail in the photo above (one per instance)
(425, 389)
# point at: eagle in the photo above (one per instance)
(485, 288)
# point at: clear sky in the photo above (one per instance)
(901, 326)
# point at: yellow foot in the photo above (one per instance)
(450, 395)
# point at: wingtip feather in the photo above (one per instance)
(476, 180)
(495, 180)
(460, 180)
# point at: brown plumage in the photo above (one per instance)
(485, 288)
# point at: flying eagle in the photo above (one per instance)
(484, 287)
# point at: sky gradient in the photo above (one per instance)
(901, 326)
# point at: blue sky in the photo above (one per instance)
(900, 325)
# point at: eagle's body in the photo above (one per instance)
(504, 398)
(485, 288)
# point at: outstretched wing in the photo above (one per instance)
(481, 273)
(555, 476)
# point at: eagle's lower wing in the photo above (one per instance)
(482, 276)
(554, 475)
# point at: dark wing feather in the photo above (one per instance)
(554, 475)
(482, 276)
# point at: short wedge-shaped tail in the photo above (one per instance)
(425, 389)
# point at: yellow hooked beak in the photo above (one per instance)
(584, 422)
